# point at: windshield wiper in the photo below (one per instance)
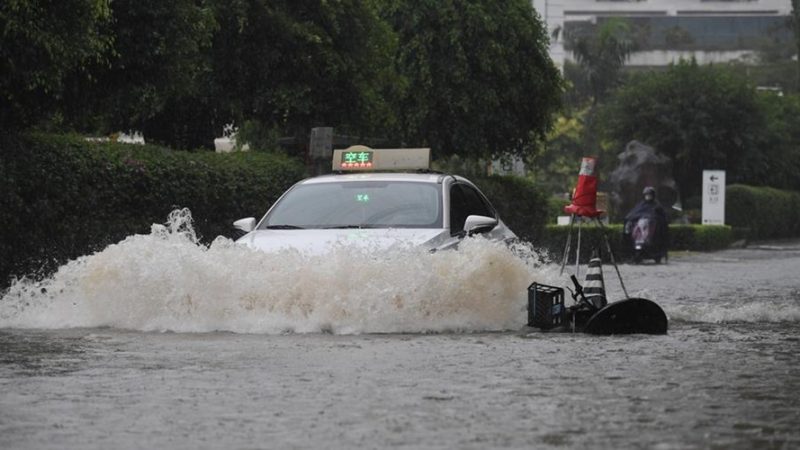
(349, 226)
(284, 227)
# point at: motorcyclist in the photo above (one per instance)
(655, 242)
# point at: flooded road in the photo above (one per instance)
(726, 376)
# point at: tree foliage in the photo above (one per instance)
(157, 77)
(466, 76)
(703, 117)
(777, 161)
(294, 65)
(42, 42)
(556, 167)
(478, 76)
(602, 54)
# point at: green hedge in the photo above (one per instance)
(682, 237)
(64, 197)
(521, 205)
(767, 213)
(700, 237)
(591, 237)
(555, 207)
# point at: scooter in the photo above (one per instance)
(642, 232)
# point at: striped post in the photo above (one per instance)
(594, 288)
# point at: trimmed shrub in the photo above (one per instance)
(521, 205)
(766, 212)
(64, 197)
(700, 237)
(555, 239)
(555, 207)
(710, 238)
(682, 237)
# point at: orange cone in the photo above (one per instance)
(584, 198)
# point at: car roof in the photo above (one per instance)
(378, 176)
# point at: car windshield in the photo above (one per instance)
(358, 204)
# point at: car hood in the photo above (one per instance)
(322, 241)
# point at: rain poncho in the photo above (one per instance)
(658, 238)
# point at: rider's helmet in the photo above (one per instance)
(649, 193)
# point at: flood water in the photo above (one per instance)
(161, 342)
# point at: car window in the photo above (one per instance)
(459, 209)
(466, 201)
(475, 202)
(370, 204)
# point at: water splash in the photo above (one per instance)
(728, 306)
(167, 280)
(765, 311)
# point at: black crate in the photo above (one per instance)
(545, 306)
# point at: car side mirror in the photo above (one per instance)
(479, 224)
(247, 225)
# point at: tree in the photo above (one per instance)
(602, 54)
(41, 44)
(478, 78)
(703, 117)
(181, 70)
(778, 161)
(291, 65)
(157, 78)
(555, 167)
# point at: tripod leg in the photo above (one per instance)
(611, 254)
(567, 247)
(578, 251)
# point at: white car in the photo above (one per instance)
(375, 209)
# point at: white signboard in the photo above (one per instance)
(713, 197)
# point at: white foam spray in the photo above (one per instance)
(776, 310)
(166, 280)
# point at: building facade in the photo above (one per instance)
(665, 31)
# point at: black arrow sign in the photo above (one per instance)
(713, 178)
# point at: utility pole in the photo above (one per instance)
(320, 149)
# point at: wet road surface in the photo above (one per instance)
(726, 376)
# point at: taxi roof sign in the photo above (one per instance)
(359, 158)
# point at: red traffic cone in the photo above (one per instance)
(585, 196)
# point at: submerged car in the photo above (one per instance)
(379, 198)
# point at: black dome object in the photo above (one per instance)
(629, 316)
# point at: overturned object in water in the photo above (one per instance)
(546, 311)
